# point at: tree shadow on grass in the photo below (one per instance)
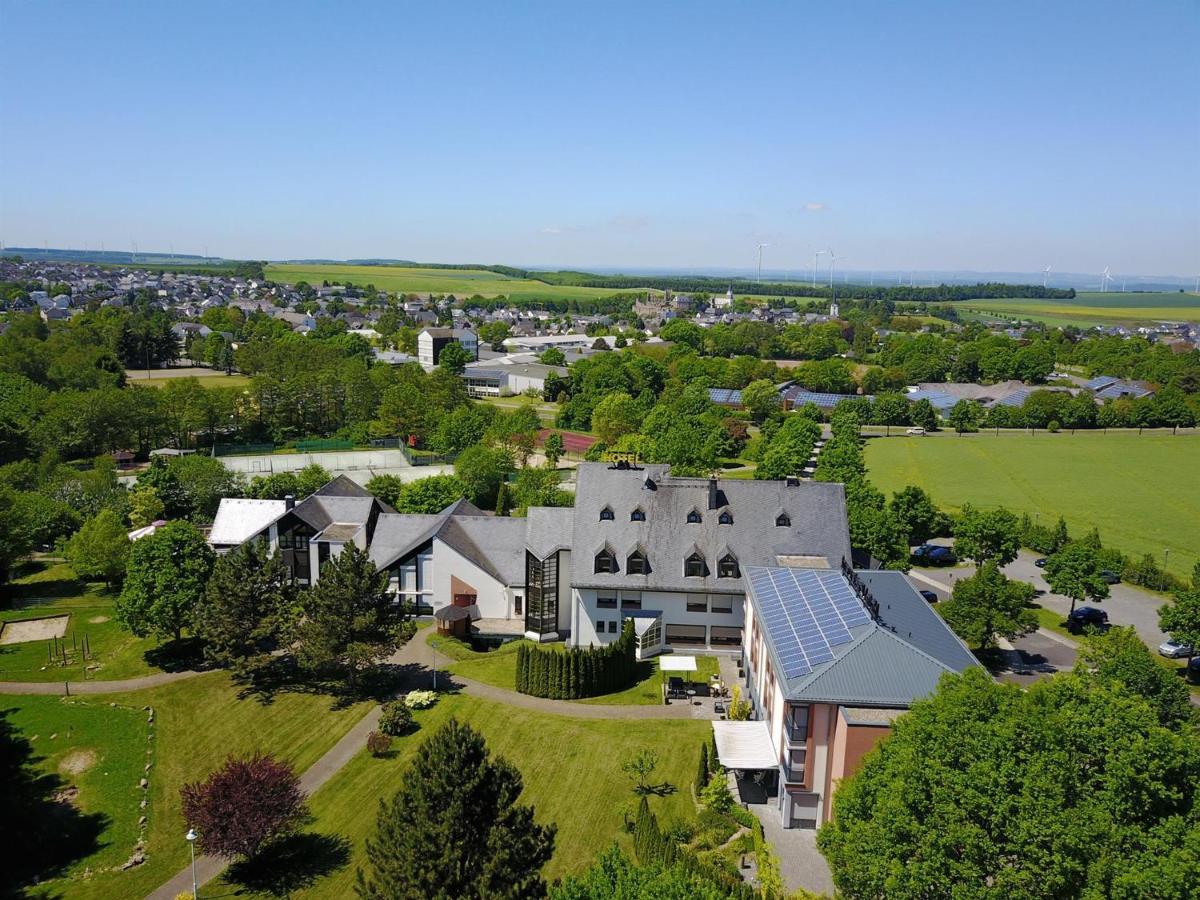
(291, 864)
(662, 789)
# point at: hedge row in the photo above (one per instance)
(575, 673)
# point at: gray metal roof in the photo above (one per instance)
(910, 617)
(817, 512)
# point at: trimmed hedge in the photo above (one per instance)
(578, 672)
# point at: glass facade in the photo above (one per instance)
(541, 594)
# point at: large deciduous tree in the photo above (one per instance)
(455, 828)
(1181, 618)
(1070, 789)
(993, 534)
(916, 513)
(98, 551)
(1074, 571)
(988, 605)
(165, 579)
(244, 805)
(349, 620)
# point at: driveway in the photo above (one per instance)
(1035, 656)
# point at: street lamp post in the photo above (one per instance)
(1166, 559)
(190, 837)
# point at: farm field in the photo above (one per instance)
(198, 722)
(552, 754)
(1094, 308)
(460, 282)
(1134, 488)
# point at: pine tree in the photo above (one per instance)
(520, 669)
(714, 761)
(454, 828)
(702, 770)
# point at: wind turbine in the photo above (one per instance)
(1045, 276)
(833, 258)
(1105, 278)
(816, 258)
(760, 250)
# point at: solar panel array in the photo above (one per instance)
(806, 613)
(725, 396)
(824, 401)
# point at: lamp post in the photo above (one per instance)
(1166, 558)
(190, 837)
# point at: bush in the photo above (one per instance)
(574, 673)
(1053, 427)
(397, 719)
(420, 699)
(378, 743)
(716, 796)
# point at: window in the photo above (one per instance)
(631, 600)
(728, 567)
(694, 567)
(721, 603)
(686, 634)
(726, 518)
(725, 635)
(600, 626)
(517, 604)
(606, 563)
(635, 564)
(606, 514)
(693, 517)
(606, 602)
(783, 520)
(697, 603)
(612, 626)
(638, 515)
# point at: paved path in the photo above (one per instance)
(96, 687)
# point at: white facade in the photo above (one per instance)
(689, 620)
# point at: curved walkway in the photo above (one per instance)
(67, 688)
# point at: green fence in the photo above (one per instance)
(242, 449)
(323, 444)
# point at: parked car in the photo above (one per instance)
(1040, 562)
(935, 555)
(1110, 577)
(929, 595)
(916, 431)
(1193, 670)
(1086, 617)
(1174, 649)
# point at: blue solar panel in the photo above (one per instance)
(806, 613)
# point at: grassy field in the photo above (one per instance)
(1085, 309)
(1136, 489)
(206, 377)
(460, 282)
(499, 668)
(47, 588)
(571, 769)
(198, 722)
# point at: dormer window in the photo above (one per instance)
(606, 562)
(606, 514)
(726, 518)
(693, 517)
(694, 566)
(638, 515)
(637, 564)
(783, 520)
(728, 567)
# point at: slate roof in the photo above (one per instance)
(817, 511)
(549, 529)
(889, 662)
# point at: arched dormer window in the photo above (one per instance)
(694, 566)
(726, 517)
(637, 564)
(693, 517)
(783, 520)
(606, 562)
(606, 514)
(638, 515)
(728, 567)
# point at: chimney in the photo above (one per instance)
(289, 501)
(714, 493)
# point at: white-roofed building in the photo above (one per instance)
(239, 519)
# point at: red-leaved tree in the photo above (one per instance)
(244, 805)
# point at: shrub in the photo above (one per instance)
(396, 720)
(420, 699)
(378, 743)
(574, 673)
(1053, 427)
(716, 796)
(244, 805)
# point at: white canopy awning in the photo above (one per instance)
(745, 745)
(677, 663)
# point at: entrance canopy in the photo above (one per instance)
(677, 663)
(745, 745)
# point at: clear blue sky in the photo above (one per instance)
(1001, 136)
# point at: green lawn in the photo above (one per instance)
(499, 668)
(1094, 308)
(237, 381)
(416, 280)
(198, 722)
(47, 588)
(571, 769)
(96, 752)
(1134, 488)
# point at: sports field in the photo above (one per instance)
(1094, 308)
(1140, 491)
(460, 282)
